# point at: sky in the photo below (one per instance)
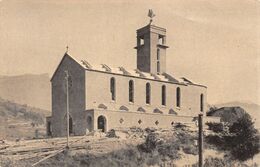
(215, 43)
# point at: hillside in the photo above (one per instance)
(33, 90)
(20, 121)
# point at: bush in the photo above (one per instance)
(169, 150)
(242, 141)
(215, 140)
(216, 162)
(215, 127)
(150, 143)
(190, 149)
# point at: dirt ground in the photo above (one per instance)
(39, 152)
(31, 151)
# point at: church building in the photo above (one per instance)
(101, 98)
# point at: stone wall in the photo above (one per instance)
(124, 119)
(98, 93)
(77, 101)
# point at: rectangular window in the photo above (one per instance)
(178, 97)
(158, 60)
(201, 102)
(113, 88)
(158, 67)
(148, 93)
(163, 95)
(131, 91)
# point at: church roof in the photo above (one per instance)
(165, 77)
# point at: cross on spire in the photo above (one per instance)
(67, 49)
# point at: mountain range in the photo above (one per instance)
(31, 89)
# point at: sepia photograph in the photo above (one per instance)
(128, 83)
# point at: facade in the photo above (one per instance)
(103, 98)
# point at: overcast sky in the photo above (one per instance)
(215, 43)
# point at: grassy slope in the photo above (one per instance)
(20, 121)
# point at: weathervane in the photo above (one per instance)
(151, 15)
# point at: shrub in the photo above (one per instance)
(215, 140)
(244, 139)
(190, 149)
(150, 143)
(169, 150)
(216, 162)
(215, 127)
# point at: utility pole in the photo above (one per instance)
(200, 119)
(67, 114)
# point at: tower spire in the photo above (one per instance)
(151, 47)
(151, 15)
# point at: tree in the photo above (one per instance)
(244, 139)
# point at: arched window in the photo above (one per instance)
(148, 93)
(163, 95)
(201, 102)
(178, 97)
(131, 91)
(113, 88)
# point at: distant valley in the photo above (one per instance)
(21, 121)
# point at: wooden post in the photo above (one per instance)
(67, 114)
(200, 119)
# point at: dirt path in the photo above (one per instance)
(35, 150)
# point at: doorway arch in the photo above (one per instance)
(102, 123)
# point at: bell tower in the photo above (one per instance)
(151, 48)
